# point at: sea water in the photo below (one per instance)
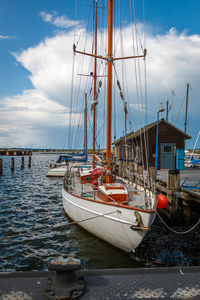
(34, 228)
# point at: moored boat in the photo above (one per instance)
(117, 211)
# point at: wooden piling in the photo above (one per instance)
(1, 166)
(29, 161)
(173, 180)
(139, 169)
(12, 164)
(131, 166)
(173, 184)
(152, 174)
(120, 168)
(22, 163)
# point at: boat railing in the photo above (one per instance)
(82, 189)
(73, 184)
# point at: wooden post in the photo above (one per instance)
(12, 164)
(124, 169)
(152, 174)
(131, 166)
(135, 166)
(1, 166)
(139, 169)
(22, 163)
(173, 180)
(187, 213)
(29, 161)
(120, 168)
(173, 184)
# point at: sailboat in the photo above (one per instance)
(58, 168)
(113, 209)
(192, 160)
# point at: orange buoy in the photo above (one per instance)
(162, 201)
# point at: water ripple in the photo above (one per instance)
(31, 211)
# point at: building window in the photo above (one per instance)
(167, 149)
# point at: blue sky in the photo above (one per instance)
(36, 38)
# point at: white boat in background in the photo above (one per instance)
(193, 160)
(117, 211)
(59, 171)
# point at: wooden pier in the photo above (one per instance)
(183, 204)
(69, 282)
(15, 152)
(12, 164)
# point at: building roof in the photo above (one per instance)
(135, 134)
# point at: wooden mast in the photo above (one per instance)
(109, 91)
(109, 58)
(186, 107)
(95, 94)
(85, 125)
(125, 144)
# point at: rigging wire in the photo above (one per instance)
(76, 88)
(182, 102)
(134, 40)
(71, 99)
(137, 41)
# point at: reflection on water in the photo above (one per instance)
(34, 228)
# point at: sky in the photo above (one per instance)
(37, 93)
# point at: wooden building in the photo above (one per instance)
(171, 143)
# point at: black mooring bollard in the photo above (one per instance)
(64, 283)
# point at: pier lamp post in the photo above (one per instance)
(158, 112)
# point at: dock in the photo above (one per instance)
(183, 199)
(190, 173)
(139, 283)
(15, 152)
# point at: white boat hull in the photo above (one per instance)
(112, 223)
(57, 172)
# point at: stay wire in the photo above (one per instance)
(30, 232)
(71, 101)
(135, 66)
(182, 102)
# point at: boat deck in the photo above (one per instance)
(136, 194)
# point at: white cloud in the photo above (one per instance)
(27, 119)
(58, 21)
(5, 37)
(45, 16)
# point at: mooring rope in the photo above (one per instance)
(56, 226)
(91, 218)
(179, 232)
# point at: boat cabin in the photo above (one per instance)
(91, 175)
(171, 146)
(113, 191)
